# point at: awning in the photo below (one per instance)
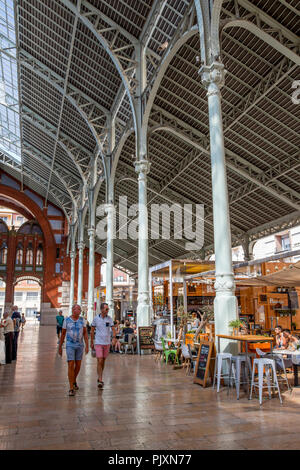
(287, 277)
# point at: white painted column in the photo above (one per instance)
(72, 280)
(81, 247)
(72, 267)
(130, 295)
(185, 304)
(225, 304)
(143, 309)
(150, 297)
(171, 299)
(91, 283)
(110, 259)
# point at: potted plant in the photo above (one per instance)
(235, 325)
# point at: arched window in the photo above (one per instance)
(3, 254)
(39, 255)
(29, 254)
(19, 254)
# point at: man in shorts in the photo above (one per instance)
(75, 329)
(103, 324)
(59, 324)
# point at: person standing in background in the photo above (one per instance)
(23, 321)
(16, 317)
(8, 327)
(59, 324)
(2, 347)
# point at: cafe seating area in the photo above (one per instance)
(251, 371)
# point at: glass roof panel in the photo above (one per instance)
(10, 140)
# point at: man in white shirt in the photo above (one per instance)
(103, 323)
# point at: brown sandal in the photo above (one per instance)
(71, 393)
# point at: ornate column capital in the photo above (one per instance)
(81, 245)
(142, 167)
(224, 284)
(213, 74)
(91, 232)
(73, 254)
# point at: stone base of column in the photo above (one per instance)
(143, 315)
(225, 310)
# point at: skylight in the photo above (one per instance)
(10, 141)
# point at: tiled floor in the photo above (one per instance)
(145, 405)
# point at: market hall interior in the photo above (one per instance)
(149, 159)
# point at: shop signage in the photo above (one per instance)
(203, 365)
(146, 334)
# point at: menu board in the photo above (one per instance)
(146, 337)
(203, 362)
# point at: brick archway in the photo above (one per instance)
(22, 201)
(16, 207)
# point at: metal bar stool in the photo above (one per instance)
(264, 366)
(218, 368)
(280, 364)
(239, 364)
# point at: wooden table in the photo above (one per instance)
(247, 339)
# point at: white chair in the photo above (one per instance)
(193, 357)
(129, 344)
(264, 366)
(158, 349)
(218, 368)
(187, 359)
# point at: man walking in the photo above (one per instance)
(59, 324)
(16, 317)
(75, 329)
(8, 325)
(103, 324)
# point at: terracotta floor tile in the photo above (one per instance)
(144, 405)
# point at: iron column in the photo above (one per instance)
(225, 304)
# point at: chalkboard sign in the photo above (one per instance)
(203, 365)
(146, 334)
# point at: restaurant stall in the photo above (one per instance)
(267, 291)
(169, 290)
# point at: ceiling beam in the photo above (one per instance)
(233, 161)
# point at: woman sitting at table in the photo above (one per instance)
(281, 341)
(292, 341)
(115, 342)
(196, 320)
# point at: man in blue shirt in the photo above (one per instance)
(74, 327)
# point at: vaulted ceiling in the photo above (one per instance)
(69, 82)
